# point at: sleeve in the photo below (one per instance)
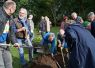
(32, 25)
(53, 46)
(29, 28)
(70, 37)
(3, 37)
(13, 26)
(12, 35)
(46, 36)
(2, 25)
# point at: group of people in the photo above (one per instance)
(18, 31)
(76, 35)
(44, 25)
(80, 38)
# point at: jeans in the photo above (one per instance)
(32, 36)
(21, 51)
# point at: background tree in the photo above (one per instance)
(55, 9)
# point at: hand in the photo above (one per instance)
(17, 45)
(59, 45)
(22, 29)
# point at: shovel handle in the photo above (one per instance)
(5, 44)
(62, 56)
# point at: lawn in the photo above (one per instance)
(15, 54)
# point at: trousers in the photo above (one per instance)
(5, 58)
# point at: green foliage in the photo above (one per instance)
(24, 2)
(55, 9)
(37, 39)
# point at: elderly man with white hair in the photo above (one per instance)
(77, 18)
(22, 30)
(91, 18)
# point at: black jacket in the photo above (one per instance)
(4, 17)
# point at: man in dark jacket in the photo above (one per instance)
(82, 47)
(6, 11)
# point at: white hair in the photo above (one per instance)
(91, 14)
(24, 10)
(74, 14)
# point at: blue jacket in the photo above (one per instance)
(46, 42)
(82, 47)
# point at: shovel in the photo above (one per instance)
(62, 56)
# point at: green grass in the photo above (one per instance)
(15, 54)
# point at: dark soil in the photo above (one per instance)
(44, 61)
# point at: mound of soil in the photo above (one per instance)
(44, 61)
